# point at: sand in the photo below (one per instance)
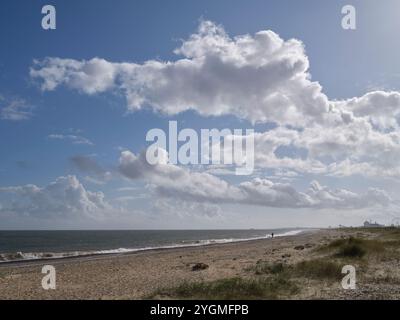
(136, 275)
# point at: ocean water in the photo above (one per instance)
(29, 245)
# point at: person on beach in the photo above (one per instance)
(272, 235)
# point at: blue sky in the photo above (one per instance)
(66, 124)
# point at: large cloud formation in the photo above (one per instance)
(170, 181)
(261, 78)
(66, 196)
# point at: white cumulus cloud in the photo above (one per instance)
(64, 197)
(258, 77)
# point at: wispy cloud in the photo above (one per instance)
(15, 109)
(74, 139)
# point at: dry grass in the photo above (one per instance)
(354, 247)
(318, 269)
(313, 269)
(232, 288)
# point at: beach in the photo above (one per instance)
(157, 273)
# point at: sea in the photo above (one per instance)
(34, 245)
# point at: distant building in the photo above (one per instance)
(368, 224)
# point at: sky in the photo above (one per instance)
(77, 102)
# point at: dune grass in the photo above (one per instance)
(354, 247)
(318, 269)
(263, 267)
(232, 288)
(313, 269)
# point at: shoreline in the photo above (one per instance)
(102, 253)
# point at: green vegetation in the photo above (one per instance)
(386, 233)
(274, 280)
(233, 288)
(315, 269)
(354, 247)
(351, 250)
(318, 269)
(263, 267)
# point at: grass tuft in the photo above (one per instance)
(354, 247)
(318, 269)
(232, 288)
(314, 269)
(263, 267)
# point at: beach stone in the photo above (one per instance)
(299, 248)
(287, 255)
(199, 266)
